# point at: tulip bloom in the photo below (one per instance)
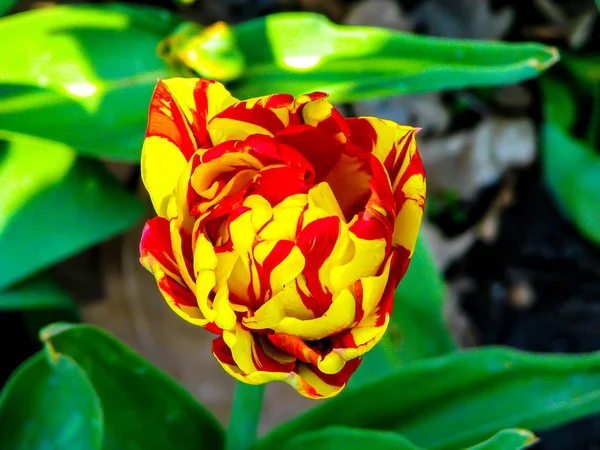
(281, 227)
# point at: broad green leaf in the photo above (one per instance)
(345, 438)
(49, 404)
(461, 398)
(507, 440)
(40, 292)
(83, 74)
(417, 329)
(53, 204)
(304, 52)
(571, 170)
(142, 406)
(6, 5)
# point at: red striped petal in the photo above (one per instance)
(156, 244)
(166, 120)
(316, 242)
(338, 379)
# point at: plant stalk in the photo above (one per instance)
(245, 416)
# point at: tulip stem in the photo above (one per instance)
(245, 416)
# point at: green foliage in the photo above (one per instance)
(571, 166)
(572, 172)
(97, 102)
(49, 404)
(417, 326)
(53, 204)
(344, 438)
(83, 75)
(134, 404)
(304, 52)
(461, 398)
(40, 292)
(6, 5)
(507, 440)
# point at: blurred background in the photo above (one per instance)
(513, 208)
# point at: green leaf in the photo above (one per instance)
(40, 292)
(6, 5)
(559, 107)
(461, 398)
(142, 406)
(50, 405)
(304, 52)
(586, 70)
(507, 440)
(53, 205)
(83, 74)
(571, 170)
(344, 438)
(417, 329)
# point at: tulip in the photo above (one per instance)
(282, 227)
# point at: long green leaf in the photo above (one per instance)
(507, 440)
(572, 172)
(462, 398)
(304, 52)
(571, 167)
(344, 438)
(82, 74)
(53, 205)
(50, 405)
(142, 406)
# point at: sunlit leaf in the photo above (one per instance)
(83, 74)
(304, 52)
(53, 204)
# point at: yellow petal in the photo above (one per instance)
(368, 258)
(162, 164)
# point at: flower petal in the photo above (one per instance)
(262, 115)
(156, 256)
(179, 111)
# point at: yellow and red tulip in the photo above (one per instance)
(281, 227)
